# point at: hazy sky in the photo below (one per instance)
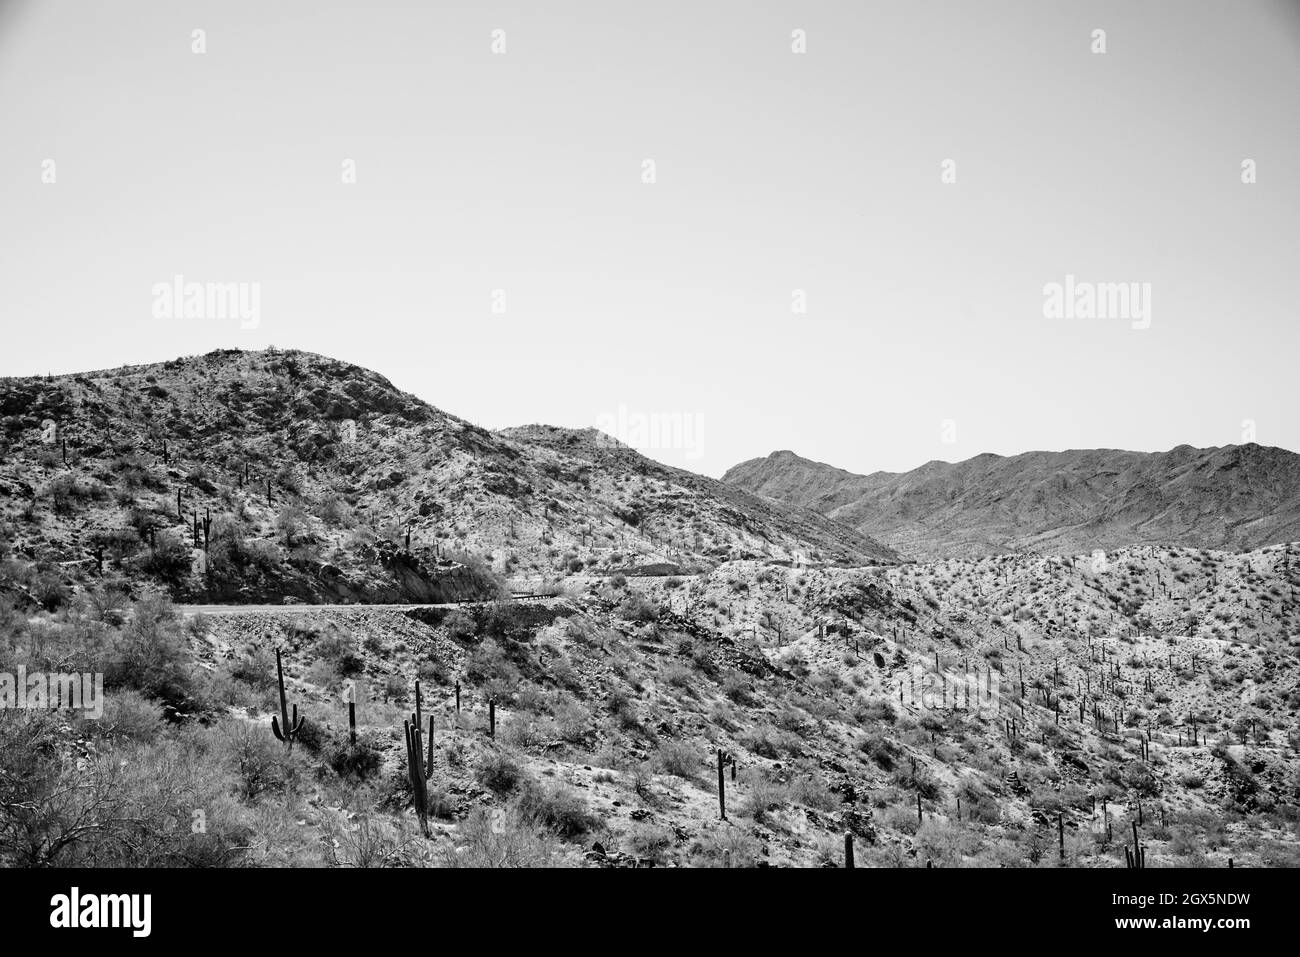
(672, 304)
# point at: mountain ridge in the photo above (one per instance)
(313, 471)
(1235, 497)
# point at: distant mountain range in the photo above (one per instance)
(1236, 497)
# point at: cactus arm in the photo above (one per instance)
(284, 728)
(284, 708)
(428, 768)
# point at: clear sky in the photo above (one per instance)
(667, 306)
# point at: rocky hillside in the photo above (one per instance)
(1015, 710)
(251, 476)
(962, 713)
(1235, 497)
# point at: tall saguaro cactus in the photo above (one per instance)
(415, 774)
(722, 785)
(284, 729)
(1135, 856)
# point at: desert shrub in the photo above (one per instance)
(1139, 778)
(129, 714)
(434, 671)
(636, 607)
(255, 667)
(108, 603)
(812, 792)
(728, 847)
(944, 843)
(118, 544)
(978, 804)
(526, 733)
(769, 742)
(621, 706)
(68, 493)
(874, 709)
(650, 842)
(151, 654)
(762, 795)
(485, 583)
(675, 757)
(508, 621)
(739, 689)
(374, 841)
(1047, 800)
(355, 761)
(441, 804)
(313, 735)
(259, 762)
(880, 750)
(125, 806)
(49, 589)
(916, 779)
(334, 511)
(488, 662)
(460, 624)
(899, 818)
(232, 555)
(499, 774)
(133, 473)
(564, 674)
(677, 675)
(169, 559)
(339, 650)
(572, 720)
(560, 810)
(496, 839)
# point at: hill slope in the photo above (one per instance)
(1235, 497)
(312, 471)
(957, 713)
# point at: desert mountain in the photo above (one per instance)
(249, 476)
(1007, 711)
(1238, 497)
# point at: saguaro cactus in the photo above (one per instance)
(285, 729)
(428, 767)
(425, 766)
(416, 720)
(848, 849)
(415, 775)
(722, 785)
(1135, 856)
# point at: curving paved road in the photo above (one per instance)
(295, 609)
